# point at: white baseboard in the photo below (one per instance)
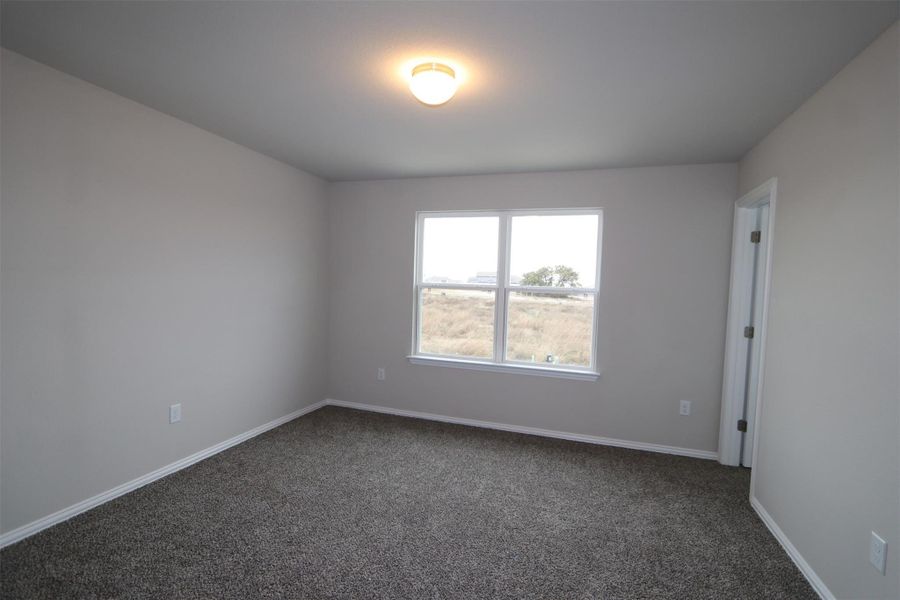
(29, 529)
(814, 580)
(576, 437)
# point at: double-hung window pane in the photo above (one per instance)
(460, 250)
(509, 287)
(556, 253)
(551, 329)
(457, 322)
(457, 308)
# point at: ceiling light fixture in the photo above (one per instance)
(433, 83)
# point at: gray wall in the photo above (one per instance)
(827, 469)
(665, 272)
(144, 262)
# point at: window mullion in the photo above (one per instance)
(502, 299)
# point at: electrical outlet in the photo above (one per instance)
(878, 553)
(174, 413)
(685, 408)
(381, 375)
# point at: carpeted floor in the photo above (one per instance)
(347, 504)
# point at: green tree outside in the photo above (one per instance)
(559, 276)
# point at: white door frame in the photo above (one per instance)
(739, 301)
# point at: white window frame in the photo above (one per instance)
(502, 290)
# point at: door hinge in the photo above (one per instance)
(742, 425)
(748, 332)
(755, 237)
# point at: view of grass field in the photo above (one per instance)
(461, 323)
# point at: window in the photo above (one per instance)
(508, 290)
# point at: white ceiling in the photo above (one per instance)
(548, 86)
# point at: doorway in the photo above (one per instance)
(751, 261)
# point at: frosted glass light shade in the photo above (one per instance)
(433, 83)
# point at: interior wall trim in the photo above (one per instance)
(29, 529)
(811, 576)
(562, 435)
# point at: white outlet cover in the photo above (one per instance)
(381, 376)
(878, 553)
(174, 413)
(685, 408)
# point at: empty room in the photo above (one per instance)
(539, 300)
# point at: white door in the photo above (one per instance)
(759, 238)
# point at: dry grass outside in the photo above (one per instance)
(458, 323)
(558, 328)
(461, 323)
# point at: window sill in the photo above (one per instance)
(504, 368)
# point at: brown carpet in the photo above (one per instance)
(347, 504)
